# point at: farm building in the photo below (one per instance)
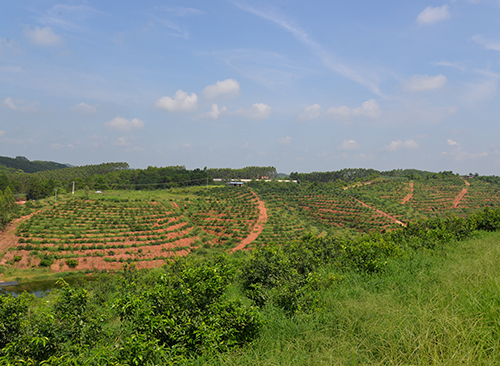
(235, 184)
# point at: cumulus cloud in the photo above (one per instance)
(2, 133)
(258, 111)
(20, 105)
(85, 108)
(181, 102)
(224, 88)
(310, 112)
(214, 113)
(349, 145)
(396, 145)
(432, 15)
(488, 44)
(42, 36)
(451, 142)
(370, 108)
(122, 124)
(285, 140)
(419, 83)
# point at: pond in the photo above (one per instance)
(42, 287)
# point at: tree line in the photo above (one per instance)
(249, 172)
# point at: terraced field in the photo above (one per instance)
(149, 228)
(102, 234)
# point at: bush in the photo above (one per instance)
(46, 260)
(72, 263)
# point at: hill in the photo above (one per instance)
(27, 166)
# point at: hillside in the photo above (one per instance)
(90, 231)
(27, 166)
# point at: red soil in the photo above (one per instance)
(409, 195)
(382, 213)
(461, 195)
(257, 229)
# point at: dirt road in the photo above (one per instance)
(409, 196)
(461, 195)
(258, 227)
(381, 212)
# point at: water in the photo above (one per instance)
(44, 287)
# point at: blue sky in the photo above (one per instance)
(303, 86)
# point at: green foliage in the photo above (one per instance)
(250, 172)
(71, 263)
(186, 310)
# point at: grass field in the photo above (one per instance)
(429, 308)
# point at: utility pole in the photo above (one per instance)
(55, 197)
(73, 191)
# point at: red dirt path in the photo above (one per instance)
(381, 212)
(257, 229)
(461, 195)
(409, 195)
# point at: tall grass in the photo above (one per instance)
(428, 308)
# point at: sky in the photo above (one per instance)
(300, 85)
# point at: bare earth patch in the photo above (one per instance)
(409, 196)
(257, 229)
(381, 212)
(461, 195)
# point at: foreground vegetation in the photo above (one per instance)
(424, 294)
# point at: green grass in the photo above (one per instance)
(429, 308)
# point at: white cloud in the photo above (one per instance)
(85, 108)
(20, 105)
(396, 145)
(476, 92)
(459, 154)
(181, 11)
(225, 88)
(451, 142)
(214, 113)
(418, 83)
(182, 102)
(58, 146)
(310, 112)
(488, 44)
(349, 145)
(69, 17)
(329, 60)
(455, 65)
(285, 140)
(370, 108)
(10, 103)
(121, 124)
(2, 133)
(432, 15)
(258, 111)
(121, 141)
(42, 36)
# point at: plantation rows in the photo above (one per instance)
(106, 231)
(325, 207)
(227, 214)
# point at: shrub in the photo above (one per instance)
(72, 263)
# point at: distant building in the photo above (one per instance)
(235, 184)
